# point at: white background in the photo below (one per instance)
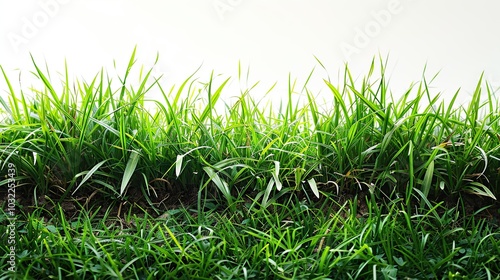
(275, 38)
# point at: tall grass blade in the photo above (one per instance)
(426, 184)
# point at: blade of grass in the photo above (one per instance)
(129, 170)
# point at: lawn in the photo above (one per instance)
(101, 182)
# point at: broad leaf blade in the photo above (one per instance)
(276, 175)
(129, 170)
(313, 186)
(178, 165)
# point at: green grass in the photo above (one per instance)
(268, 179)
(99, 135)
(286, 240)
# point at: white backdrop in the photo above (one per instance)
(274, 37)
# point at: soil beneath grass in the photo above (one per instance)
(93, 201)
(161, 200)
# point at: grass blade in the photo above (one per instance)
(313, 186)
(88, 174)
(129, 170)
(276, 175)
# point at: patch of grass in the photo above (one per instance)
(287, 240)
(103, 135)
(369, 187)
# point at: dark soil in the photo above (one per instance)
(161, 200)
(134, 202)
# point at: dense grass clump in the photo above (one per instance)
(368, 186)
(96, 135)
